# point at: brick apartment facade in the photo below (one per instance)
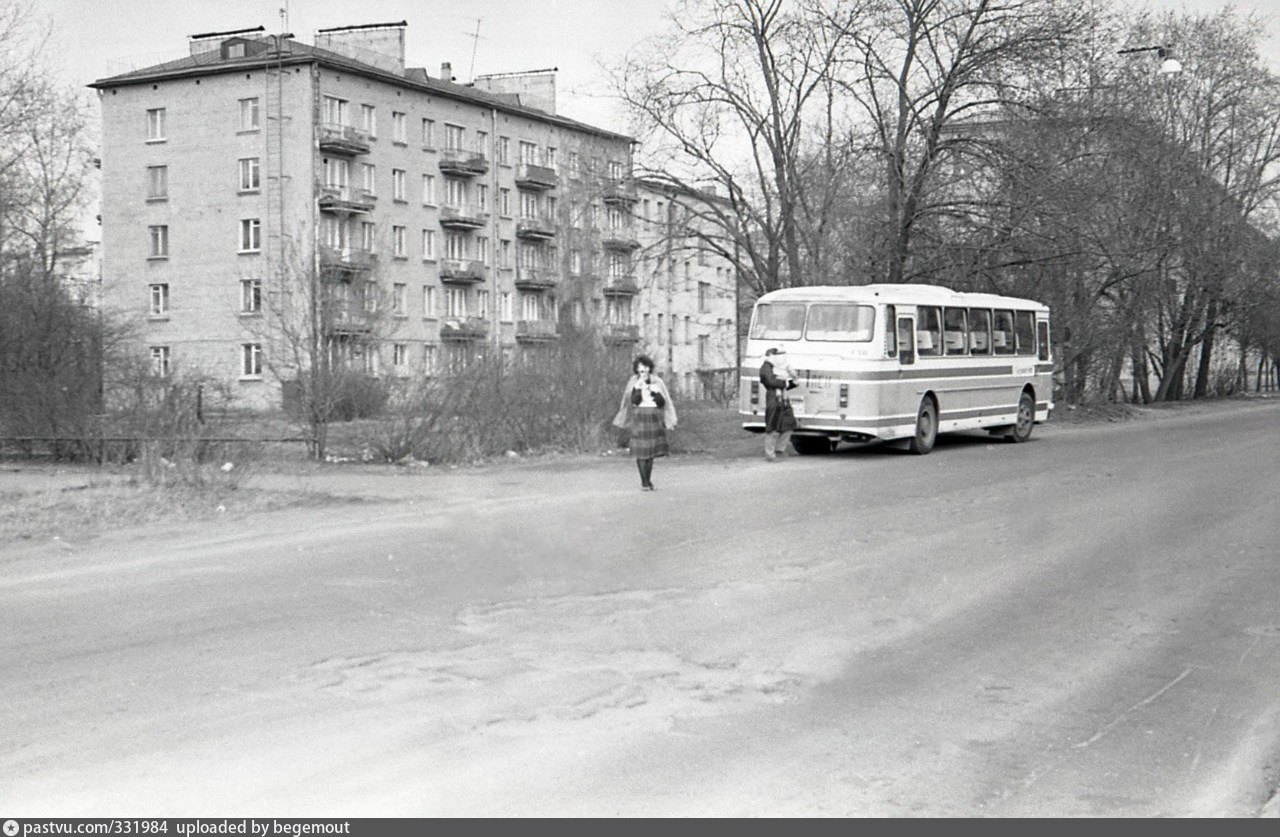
(434, 220)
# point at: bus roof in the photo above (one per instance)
(899, 294)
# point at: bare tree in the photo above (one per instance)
(734, 97)
(919, 66)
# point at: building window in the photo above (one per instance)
(398, 303)
(368, 236)
(704, 350)
(704, 297)
(504, 150)
(250, 296)
(455, 192)
(504, 202)
(399, 128)
(529, 308)
(428, 301)
(369, 120)
(528, 204)
(157, 183)
(371, 297)
(482, 249)
(249, 174)
(251, 360)
(335, 111)
(155, 125)
(428, 244)
(428, 358)
(159, 241)
(250, 235)
(505, 310)
(249, 114)
(615, 170)
(370, 178)
(455, 302)
(159, 300)
(428, 189)
(398, 246)
(551, 157)
(336, 172)
(482, 197)
(575, 262)
(160, 361)
(455, 245)
(453, 137)
(575, 164)
(482, 304)
(397, 185)
(399, 355)
(429, 133)
(504, 252)
(528, 153)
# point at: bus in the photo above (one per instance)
(901, 362)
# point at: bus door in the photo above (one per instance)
(906, 341)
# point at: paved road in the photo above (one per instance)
(1084, 625)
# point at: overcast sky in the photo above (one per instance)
(93, 35)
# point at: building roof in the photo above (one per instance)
(295, 52)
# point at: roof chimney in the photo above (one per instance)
(446, 71)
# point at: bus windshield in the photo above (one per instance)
(778, 321)
(850, 323)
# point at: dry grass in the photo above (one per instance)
(102, 504)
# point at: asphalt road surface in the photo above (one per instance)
(1084, 625)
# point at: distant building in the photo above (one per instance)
(416, 222)
(685, 308)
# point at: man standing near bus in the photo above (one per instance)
(779, 420)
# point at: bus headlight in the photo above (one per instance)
(755, 393)
(844, 396)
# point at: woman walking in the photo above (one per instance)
(648, 413)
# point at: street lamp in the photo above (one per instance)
(1169, 66)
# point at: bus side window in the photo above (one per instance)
(979, 331)
(1043, 334)
(1026, 332)
(1002, 336)
(955, 325)
(929, 331)
(890, 335)
(906, 342)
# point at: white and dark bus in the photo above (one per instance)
(901, 362)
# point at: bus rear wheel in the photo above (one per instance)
(1021, 430)
(809, 445)
(926, 428)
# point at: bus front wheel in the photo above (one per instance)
(1021, 430)
(926, 428)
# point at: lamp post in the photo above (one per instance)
(1169, 66)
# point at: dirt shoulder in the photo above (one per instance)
(42, 501)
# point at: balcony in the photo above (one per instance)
(464, 328)
(347, 316)
(462, 163)
(344, 264)
(619, 238)
(617, 334)
(463, 218)
(535, 279)
(346, 199)
(621, 286)
(461, 271)
(342, 139)
(535, 229)
(620, 193)
(536, 331)
(529, 176)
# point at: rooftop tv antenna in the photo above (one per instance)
(284, 17)
(475, 44)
